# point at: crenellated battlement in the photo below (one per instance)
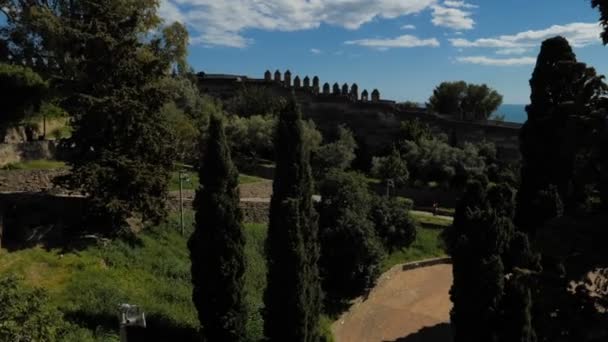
(220, 84)
(374, 120)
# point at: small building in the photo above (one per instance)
(297, 83)
(277, 76)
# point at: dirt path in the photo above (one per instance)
(405, 306)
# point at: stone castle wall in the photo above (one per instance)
(373, 120)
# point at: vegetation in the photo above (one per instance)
(391, 168)
(465, 101)
(26, 315)
(154, 272)
(602, 5)
(217, 244)
(394, 225)
(293, 298)
(41, 164)
(351, 250)
(27, 89)
(337, 155)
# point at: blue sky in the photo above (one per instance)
(402, 47)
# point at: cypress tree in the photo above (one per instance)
(217, 244)
(293, 294)
(557, 138)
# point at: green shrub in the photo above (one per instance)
(393, 223)
(25, 314)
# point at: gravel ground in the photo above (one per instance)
(410, 306)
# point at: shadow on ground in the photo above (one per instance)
(438, 333)
(159, 328)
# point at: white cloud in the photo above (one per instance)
(316, 51)
(512, 51)
(405, 41)
(578, 34)
(453, 18)
(408, 27)
(484, 60)
(458, 4)
(223, 22)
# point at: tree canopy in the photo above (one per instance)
(103, 62)
(218, 243)
(465, 101)
(22, 91)
(602, 5)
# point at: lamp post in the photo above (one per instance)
(390, 183)
(130, 316)
(183, 176)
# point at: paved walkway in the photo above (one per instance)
(405, 306)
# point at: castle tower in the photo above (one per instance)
(315, 85)
(268, 76)
(375, 96)
(277, 76)
(336, 89)
(365, 96)
(287, 79)
(297, 83)
(326, 89)
(345, 89)
(306, 82)
(354, 92)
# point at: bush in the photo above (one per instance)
(393, 223)
(351, 251)
(25, 314)
(391, 168)
(337, 155)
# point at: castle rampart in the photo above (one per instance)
(374, 121)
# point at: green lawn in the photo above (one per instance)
(154, 273)
(41, 164)
(192, 181)
(427, 245)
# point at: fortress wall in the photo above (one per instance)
(375, 122)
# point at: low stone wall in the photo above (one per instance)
(33, 150)
(29, 180)
(426, 263)
(253, 211)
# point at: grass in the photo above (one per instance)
(154, 273)
(429, 221)
(41, 164)
(427, 245)
(192, 181)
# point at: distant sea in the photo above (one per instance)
(513, 113)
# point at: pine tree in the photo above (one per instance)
(217, 244)
(293, 294)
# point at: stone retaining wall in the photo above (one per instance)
(426, 263)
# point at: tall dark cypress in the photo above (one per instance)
(217, 244)
(293, 294)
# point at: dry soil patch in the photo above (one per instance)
(405, 306)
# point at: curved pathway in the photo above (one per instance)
(405, 306)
